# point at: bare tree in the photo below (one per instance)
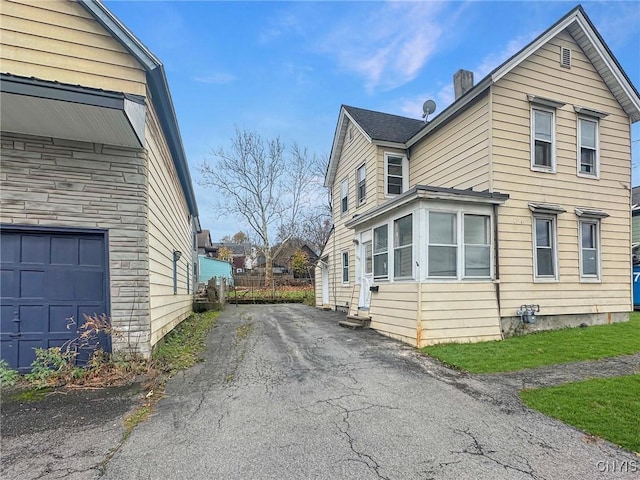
(260, 185)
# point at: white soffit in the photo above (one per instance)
(74, 121)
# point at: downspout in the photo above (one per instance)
(496, 280)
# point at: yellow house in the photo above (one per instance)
(98, 210)
(507, 211)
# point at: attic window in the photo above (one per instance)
(565, 57)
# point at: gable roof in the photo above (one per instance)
(592, 44)
(384, 126)
(157, 82)
(581, 29)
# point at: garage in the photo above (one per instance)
(47, 278)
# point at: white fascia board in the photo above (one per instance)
(399, 146)
(532, 47)
(338, 144)
(609, 62)
(415, 194)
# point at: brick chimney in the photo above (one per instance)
(462, 82)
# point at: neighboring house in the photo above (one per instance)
(516, 194)
(635, 215)
(98, 210)
(209, 268)
(204, 244)
(309, 266)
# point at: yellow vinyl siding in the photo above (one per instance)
(59, 41)
(169, 229)
(459, 312)
(393, 310)
(355, 152)
(457, 154)
(580, 85)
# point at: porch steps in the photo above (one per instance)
(354, 322)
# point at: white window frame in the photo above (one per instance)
(382, 252)
(344, 196)
(405, 173)
(487, 245)
(345, 266)
(456, 244)
(397, 247)
(553, 231)
(540, 168)
(596, 165)
(598, 249)
(361, 184)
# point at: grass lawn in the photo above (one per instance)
(608, 408)
(544, 348)
(286, 293)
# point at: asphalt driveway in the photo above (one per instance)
(285, 393)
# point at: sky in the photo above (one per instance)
(283, 69)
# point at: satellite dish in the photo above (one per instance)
(428, 108)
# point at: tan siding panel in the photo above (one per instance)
(59, 41)
(169, 230)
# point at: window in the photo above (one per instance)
(543, 149)
(188, 279)
(345, 267)
(368, 258)
(443, 248)
(544, 239)
(587, 147)
(396, 171)
(589, 249)
(344, 197)
(543, 141)
(402, 247)
(380, 252)
(477, 246)
(361, 179)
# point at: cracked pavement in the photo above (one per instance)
(285, 393)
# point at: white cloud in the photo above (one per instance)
(388, 45)
(495, 59)
(217, 78)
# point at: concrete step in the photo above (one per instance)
(355, 321)
(350, 324)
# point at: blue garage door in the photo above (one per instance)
(47, 279)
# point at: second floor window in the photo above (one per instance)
(344, 196)
(361, 178)
(395, 174)
(588, 147)
(543, 139)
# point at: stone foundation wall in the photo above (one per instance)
(54, 182)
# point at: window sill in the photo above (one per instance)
(545, 280)
(588, 175)
(542, 169)
(590, 280)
